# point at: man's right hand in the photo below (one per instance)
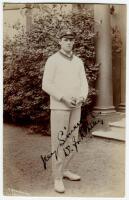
(70, 102)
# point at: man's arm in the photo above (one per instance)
(49, 87)
(84, 84)
(47, 82)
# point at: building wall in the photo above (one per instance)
(18, 13)
(12, 17)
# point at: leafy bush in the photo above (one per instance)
(25, 57)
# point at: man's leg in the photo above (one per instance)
(59, 129)
(73, 136)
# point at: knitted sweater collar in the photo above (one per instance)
(65, 55)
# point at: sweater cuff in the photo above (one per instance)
(59, 97)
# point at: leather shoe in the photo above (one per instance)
(71, 176)
(59, 186)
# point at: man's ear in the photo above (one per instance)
(73, 40)
(59, 41)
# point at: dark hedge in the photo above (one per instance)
(25, 57)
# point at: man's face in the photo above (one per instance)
(67, 44)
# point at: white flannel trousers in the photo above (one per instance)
(62, 122)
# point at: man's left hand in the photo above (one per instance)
(80, 100)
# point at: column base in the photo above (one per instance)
(121, 107)
(105, 110)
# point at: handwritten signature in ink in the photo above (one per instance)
(69, 148)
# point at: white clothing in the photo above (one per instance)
(64, 77)
(59, 120)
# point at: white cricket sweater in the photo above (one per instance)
(64, 77)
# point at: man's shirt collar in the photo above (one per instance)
(70, 56)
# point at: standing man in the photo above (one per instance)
(65, 81)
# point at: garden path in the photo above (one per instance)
(100, 162)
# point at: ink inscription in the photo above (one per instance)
(67, 150)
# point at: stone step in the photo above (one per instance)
(111, 134)
(118, 124)
(116, 130)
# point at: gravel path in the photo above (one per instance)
(99, 161)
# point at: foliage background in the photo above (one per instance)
(25, 57)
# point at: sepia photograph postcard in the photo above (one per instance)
(64, 99)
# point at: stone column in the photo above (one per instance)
(123, 81)
(104, 102)
(122, 24)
